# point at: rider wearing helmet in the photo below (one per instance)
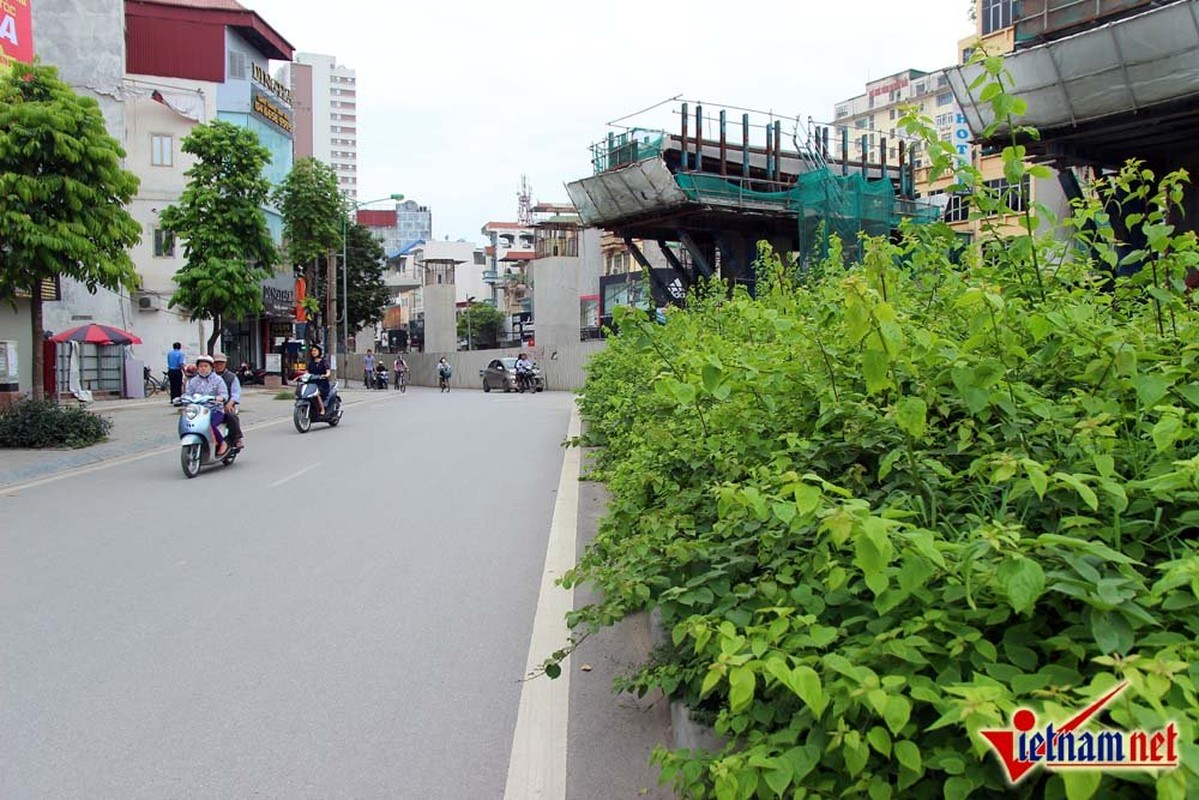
(207, 382)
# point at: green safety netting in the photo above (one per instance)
(824, 203)
(636, 144)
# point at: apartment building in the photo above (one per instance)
(326, 105)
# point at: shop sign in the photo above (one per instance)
(264, 79)
(264, 109)
(887, 88)
(279, 296)
(16, 32)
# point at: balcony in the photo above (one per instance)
(490, 276)
(401, 281)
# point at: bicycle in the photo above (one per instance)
(401, 381)
(152, 385)
(443, 382)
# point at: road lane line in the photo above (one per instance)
(282, 481)
(108, 463)
(537, 764)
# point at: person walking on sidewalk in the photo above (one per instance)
(368, 370)
(175, 361)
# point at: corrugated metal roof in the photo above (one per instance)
(222, 5)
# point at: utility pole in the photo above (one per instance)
(331, 307)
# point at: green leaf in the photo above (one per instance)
(1151, 389)
(803, 760)
(1085, 492)
(908, 754)
(712, 375)
(806, 684)
(872, 553)
(1166, 432)
(874, 370)
(778, 775)
(807, 497)
(715, 673)
(899, 710)
(741, 688)
(958, 788)
(1112, 632)
(910, 415)
(1081, 784)
(1023, 581)
(880, 740)
(553, 670)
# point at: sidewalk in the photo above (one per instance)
(139, 426)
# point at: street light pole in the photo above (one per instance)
(469, 300)
(345, 269)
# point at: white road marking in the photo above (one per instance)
(537, 764)
(282, 481)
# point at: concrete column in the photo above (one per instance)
(441, 322)
(556, 300)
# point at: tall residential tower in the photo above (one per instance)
(326, 106)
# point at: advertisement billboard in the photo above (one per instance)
(16, 32)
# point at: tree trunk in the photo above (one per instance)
(36, 363)
(217, 327)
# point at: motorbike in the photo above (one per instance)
(306, 404)
(380, 378)
(196, 437)
(250, 376)
(530, 380)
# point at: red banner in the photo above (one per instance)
(16, 31)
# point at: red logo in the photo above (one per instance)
(1025, 746)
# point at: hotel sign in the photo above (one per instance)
(264, 79)
(16, 32)
(887, 88)
(264, 108)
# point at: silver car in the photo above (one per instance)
(501, 374)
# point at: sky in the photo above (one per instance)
(457, 99)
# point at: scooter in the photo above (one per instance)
(305, 414)
(248, 375)
(196, 436)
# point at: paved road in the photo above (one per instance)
(340, 614)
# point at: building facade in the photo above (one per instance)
(326, 97)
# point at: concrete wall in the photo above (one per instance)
(556, 300)
(441, 319)
(562, 367)
(14, 324)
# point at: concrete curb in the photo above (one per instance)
(687, 733)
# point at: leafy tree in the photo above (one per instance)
(64, 194)
(313, 209)
(483, 326)
(226, 244)
(368, 295)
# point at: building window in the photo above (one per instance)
(842, 111)
(237, 65)
(919, 89)
(944, 120)
(893, 113)
(966, 54)
(164, 243)
(860, 124)
(1013, 196)
(162, 150)
(944, 98)
(996, 15)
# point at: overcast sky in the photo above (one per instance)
(458, 98)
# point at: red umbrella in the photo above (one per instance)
(96, 334)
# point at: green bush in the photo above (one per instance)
(879, 510)
(41, 423)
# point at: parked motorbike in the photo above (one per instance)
(305, 414)
(250, 376)
(196, 436)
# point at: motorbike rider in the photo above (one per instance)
(220, 366)
(524, 370)
(318, 367)
(400, 366)
(209, 383)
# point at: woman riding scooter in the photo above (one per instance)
(207, 382)
(318, 367)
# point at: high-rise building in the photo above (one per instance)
(326, 105)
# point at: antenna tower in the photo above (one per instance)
(524, 216)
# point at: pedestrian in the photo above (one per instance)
(175, 361)
(368, 370)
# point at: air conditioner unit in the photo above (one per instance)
(145, 302)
